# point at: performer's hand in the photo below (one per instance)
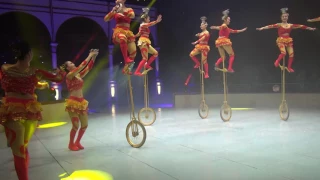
(159, 18)
(259, 29)
(244, 29)
(309, 20)
(312, 29)
(194, 43)
(93, 53)
(198, 34)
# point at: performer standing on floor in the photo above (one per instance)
(20, 111)
(144, 42)
(223, 42)
(202, 47)
(284, 41)
(121, 33)
(314, 20)
(76, 105)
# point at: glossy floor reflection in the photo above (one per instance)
(254, 145)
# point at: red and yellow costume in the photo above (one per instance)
(284, 41)
(25, 111)
(203, 48)
(77, 107)
(122, 34)
(223, 43)
(144, 44)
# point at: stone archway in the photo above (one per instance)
(25, 26)
(75, 37)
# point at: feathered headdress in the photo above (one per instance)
(225, 14)
(284, 10)
(203, 20)
(145, 12)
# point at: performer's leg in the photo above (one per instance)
(291, 55)
(154, 56)
(282, 54)
(30, 127)
(132, 50)
(8, 136)
(222, 56)
(204, 58)
(18, 148)
(84, 125)
(123, 41)
(193, 53)
(231, 57)
(75, 125)
(144, 54)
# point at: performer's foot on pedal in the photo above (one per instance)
(127, 68)
(290, 70)
(206, 76)
(230, 70)
(73, 147)
(276, 63)
(196, 66)
(138, 74)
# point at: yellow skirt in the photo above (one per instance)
(203, 47)
(223, 42)
(144, 40)
(286, 41)
(121, 30)
(77, 105)
(16, 109)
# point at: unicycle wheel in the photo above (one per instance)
(225, 112)
(136, 134)
(284, 111)
(203, 110)
(147, 116)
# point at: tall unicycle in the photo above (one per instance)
(146, 115)
(203, 108)
(283, 108)
(225, 111)
(135, 132)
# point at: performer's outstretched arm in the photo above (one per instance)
(111, 14)
(85, 71)
(237, 31)
(77, 70)
(46, 75)
(314, 20)
(200, 39)
(299, 26)
(219, 27)
(272, 26)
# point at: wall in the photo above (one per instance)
(271, 100)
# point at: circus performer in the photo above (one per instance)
(144, 42)
(121, 33)
(39, 85)
(223, 42)
(284, 41)
(76, 105)
(314, 20)
(202, 47)
(20, 111)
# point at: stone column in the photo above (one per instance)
(54, 66)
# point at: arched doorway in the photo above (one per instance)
(25, 26)
(75, 37)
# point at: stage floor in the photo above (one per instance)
(254, 145)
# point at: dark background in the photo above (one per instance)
(255, 51)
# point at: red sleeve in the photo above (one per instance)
(42, 74)
(299, 26)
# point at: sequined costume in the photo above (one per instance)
(145, 46)
(284, 41)
(76, 104)
(223, 43)
(203, 48)
(122, 34)
(24, 83)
